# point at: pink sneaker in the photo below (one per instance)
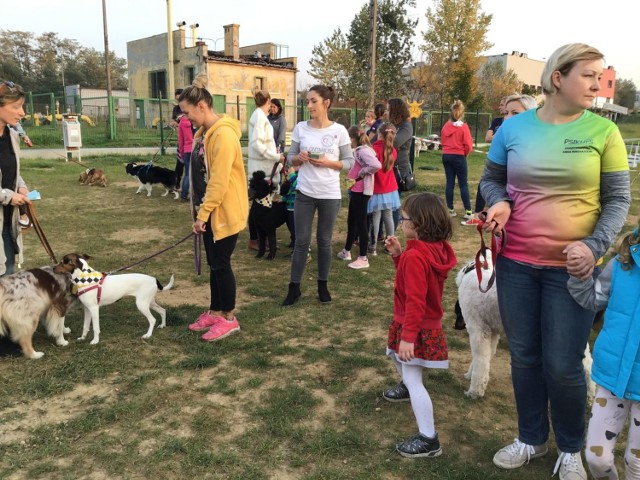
(361, 262)
(221, 330)
(205, 320)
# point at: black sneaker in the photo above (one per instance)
(420, 446)
(399, 393)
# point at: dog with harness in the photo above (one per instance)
(95, 289)
(150, 174)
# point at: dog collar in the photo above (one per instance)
(265, 201)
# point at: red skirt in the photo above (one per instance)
(430, 346)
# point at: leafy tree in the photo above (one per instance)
(394, 42)
(333, 63)
(625, 93)
(494, 84)
(40, 64)
(454, 40)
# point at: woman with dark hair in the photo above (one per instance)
(322, 149)
(219, 195)
(399, 116)
(278, 123)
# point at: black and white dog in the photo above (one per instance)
(149, 174)
(266, 214)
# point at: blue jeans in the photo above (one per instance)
(547, 333)
(186, 158)
(455, 166)
(9, 249)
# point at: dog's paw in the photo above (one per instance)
(260, 255)
(94, 341)
(473, 394)
(468, 375)
(148, 194)
(271, 256)
(62, 343)
(67, 330)
(36, 355)
(146, 335)
(80, 339)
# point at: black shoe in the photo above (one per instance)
(420, 446)
(323, 292)
(293, 295)
(399, 393)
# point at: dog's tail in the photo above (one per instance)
(168, 286)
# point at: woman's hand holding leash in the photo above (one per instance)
(19, 199)
(199, 226)
(497, 217)
(580, 260)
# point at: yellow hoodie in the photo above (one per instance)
(226, 201)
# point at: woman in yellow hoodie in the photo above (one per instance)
(219, 195)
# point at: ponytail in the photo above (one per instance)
(388, 133)
(260, 96)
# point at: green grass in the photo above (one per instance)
(295, 395)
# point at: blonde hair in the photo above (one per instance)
(197, 92)
(358, 134)
(387, 133)
(527, 101)
(457, 110)
(563, 60)
(260, 96)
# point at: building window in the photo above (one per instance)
(158, 84)
(189, 75)
(610, 83)
(260, 82)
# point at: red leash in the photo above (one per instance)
(495, 249)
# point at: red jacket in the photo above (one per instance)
(421, 271)
(456, 138)
(384, 182)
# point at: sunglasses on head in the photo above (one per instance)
(9, 84)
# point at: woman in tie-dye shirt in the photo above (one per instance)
(557, 179)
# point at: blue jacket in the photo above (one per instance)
(616, 354)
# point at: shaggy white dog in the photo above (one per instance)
(483, 322)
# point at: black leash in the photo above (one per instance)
(184, 239)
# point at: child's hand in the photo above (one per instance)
(405, 351)
(393, 245)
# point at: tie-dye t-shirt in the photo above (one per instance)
(553, 177)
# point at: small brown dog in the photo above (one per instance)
(93, 177)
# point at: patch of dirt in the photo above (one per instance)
(138, 235)
(17, 423)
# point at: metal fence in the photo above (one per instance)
(126, 121)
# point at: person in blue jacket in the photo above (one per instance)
(616, 359)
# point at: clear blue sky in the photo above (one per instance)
(536, 28)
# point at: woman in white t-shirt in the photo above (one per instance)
(321, 148)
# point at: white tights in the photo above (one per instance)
(608, 416)
(420, 399)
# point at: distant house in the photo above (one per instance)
(527, 69)
(231, 72)
(93, 102)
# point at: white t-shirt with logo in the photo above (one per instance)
(320, 182)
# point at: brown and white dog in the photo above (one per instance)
(31, 295)
(93, 177)
(95, 289)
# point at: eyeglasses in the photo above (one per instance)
(404, 219)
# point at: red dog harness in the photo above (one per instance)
(80, 283)
(495, 249)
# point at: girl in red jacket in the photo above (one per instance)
(416, 339)
(456, 146)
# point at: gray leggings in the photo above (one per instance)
(387, 218)
(304, 210)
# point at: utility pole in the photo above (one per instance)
(373, 29)
(110, 110)
(170, 51)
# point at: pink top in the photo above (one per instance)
(185, 136)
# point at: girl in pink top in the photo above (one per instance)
(185, 145)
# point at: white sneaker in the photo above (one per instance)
(344, 255)
(361, 262)
(517, 454)
(569, 466)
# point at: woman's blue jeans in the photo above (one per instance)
(455, 166)
(547, 333)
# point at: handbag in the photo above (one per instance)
(406, 183)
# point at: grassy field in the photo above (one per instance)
(295, 395)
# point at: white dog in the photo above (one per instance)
(95, 289)
(483, 322)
